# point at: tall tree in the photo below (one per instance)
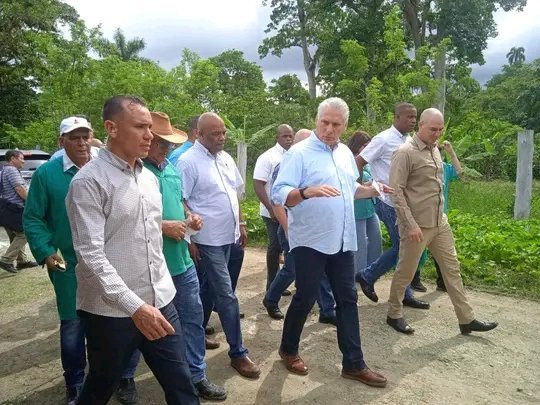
(125, 49)
(468, 25)
(516, 55)
(288, 89)
(293, 24)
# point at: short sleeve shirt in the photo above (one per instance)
(10, 179)
(264, 168)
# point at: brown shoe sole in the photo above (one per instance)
(380, 384)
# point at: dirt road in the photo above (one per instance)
(436, 365)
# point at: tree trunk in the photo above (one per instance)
(309, 62)
(439, 74)
(241, 162)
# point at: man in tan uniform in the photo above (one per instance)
(416, 174)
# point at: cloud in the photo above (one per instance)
(209, 27)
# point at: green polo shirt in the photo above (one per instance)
(364, 208)
(170, 185)
(47, 229)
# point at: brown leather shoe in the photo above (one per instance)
(294, 363)
(366, 376)
(246, 367)
(210, 343)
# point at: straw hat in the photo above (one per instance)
(161, 126)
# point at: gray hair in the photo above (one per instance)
(336, 103)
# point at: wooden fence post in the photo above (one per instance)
(522, 205)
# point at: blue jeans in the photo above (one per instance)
(217, 291)
(190, 311)
(388, 259)
(339, 268)
(286, 276)
(236, 259)
(73, 353)
(368, 235)
(111, 342)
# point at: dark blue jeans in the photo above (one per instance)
(286, 276)
(187, 302)
(111, 342)
(217, 291)
(273, 250)
(311, 265)
(236, 259)
(73, 353)
(388, 259)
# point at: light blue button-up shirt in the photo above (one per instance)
(325, 224)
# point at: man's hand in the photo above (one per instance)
(53, 260)
(386, 189)
(416, 235)
(195, 222)
(243, 236)
(174, 229)
(151, 322)
(194, 252)
(321, 191)
(447, 146)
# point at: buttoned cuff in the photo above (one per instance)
(130, 302)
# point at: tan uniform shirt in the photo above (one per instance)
(416, 174)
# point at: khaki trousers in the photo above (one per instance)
(440, 242)
(16, 247)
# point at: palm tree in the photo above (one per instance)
(516, 55)
(123, 48)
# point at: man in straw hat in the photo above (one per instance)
(125, 292)
(176, 222)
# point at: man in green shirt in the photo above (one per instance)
(177, 223)
(47, 230)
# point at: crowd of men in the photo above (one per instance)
(145, 239)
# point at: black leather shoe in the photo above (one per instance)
(242, 315)
(400, 325)
(210, 391)
(273, 310)
(477, 326)
(417, 285)
(127, 392)
(72, 395)
(26, 265)
(440, 285)
(367, 289)
(415, 303)
(329, 319)
(8, 267)
(286, 293)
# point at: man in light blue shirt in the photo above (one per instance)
(192, 136)
(317, 181)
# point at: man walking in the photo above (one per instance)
(46, 226)
(13, 191)
(378, 153)
(210, 185)
(176, 222)
(125, 290)
(416, 174)
(317, 181)
(262, 177)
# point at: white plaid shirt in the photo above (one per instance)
(115, 217)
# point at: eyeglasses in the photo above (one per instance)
(166, 144)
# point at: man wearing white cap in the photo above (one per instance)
(71, 124)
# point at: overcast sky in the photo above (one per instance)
(210, 27)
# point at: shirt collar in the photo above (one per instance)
(315, 141)
(280, 148)
(199, 146)
(68, 163)
(421, 144)
(396, 131)
(111, 158)
(160, 166)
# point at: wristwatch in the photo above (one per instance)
(304, 197)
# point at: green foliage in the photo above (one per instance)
(288, 89)
(121, 47)
(516, 55)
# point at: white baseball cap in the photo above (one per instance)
(71, 123)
